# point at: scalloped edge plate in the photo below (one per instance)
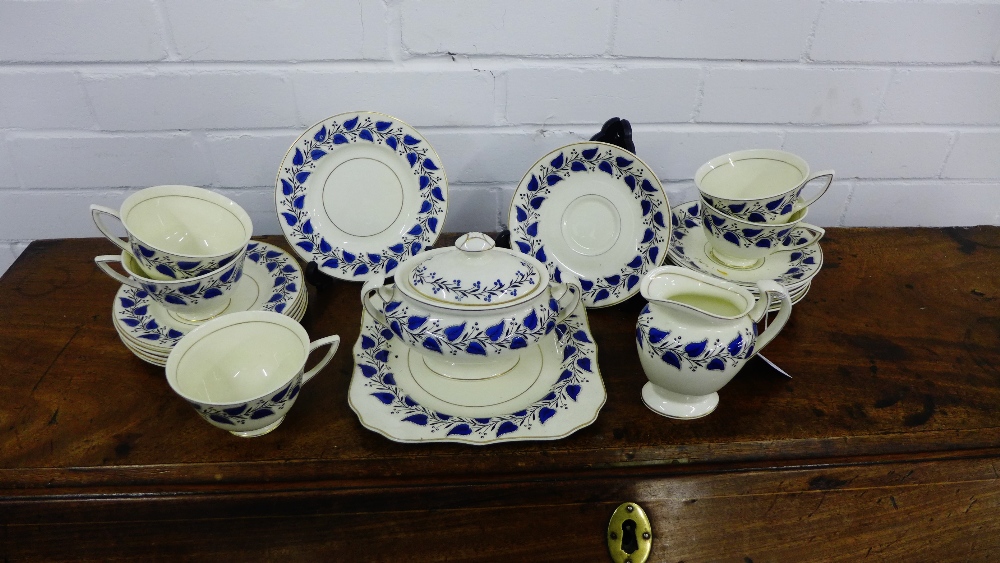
(572, 402)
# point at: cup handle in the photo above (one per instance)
(568, 300)
(334, 343)
(95, 213)
(828, 174)
(769, 290)
(103, 263)
(809, 234)
(374, 285)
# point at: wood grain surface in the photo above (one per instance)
(883, 445)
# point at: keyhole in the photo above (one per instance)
(629, 541)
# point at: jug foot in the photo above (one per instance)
(676, 405)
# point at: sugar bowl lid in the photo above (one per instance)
(476, 273)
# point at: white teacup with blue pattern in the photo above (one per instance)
(179, 232)
(243, 371)
(741, 244)
(192, 299)
(759, 185)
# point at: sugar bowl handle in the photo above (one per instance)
(567, 295)
(95, 212)
(374, 286)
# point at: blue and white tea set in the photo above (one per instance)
(472, 343)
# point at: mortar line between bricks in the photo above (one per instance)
(394, 33)
(951, 147)
(444, 62)
(842, 220)
(812, 33)
(525, 129)
(613, 30)
(168, 37)
(885, 96)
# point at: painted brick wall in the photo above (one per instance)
(102, 97)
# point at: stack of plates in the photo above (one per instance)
(272, 281)
(689, 248)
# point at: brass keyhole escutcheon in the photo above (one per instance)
(630, 536)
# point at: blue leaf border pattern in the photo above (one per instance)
(615, 285)
(133, 308)
(238, 414)
(572, 402)
(360, 263)
(802, 264)
(716, 354)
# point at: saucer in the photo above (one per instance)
(296, 312)
(159, 357)
(594, 211)
(554, 390)
(360, 192)
(272, 281)
(689, 249)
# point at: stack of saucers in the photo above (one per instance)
(689, 248)
(272, 281)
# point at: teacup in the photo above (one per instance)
(178, 232)
(742, 244)
(192, 299)
(242, 372)
(759, 186)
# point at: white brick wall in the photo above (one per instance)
(102, 97)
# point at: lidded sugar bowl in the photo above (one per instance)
(469, 309)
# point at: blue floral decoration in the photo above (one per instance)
(578, 369)
(525, 278)
(132, 305)
(173, 269)
(758, 211)
(239, 415)
(471, 337)
(715, 354)
(802, 263)
(530, 197)
(743, 237)
(290, 194)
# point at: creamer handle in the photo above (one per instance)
(770, 289)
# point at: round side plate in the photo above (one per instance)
(595, 212)
(360, 192)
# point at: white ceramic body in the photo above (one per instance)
(739, 243)
(179, 232)
(469, 340)
(191, 299)
(697, 332)
(242, 372)
(760, 185)
(360, 192)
